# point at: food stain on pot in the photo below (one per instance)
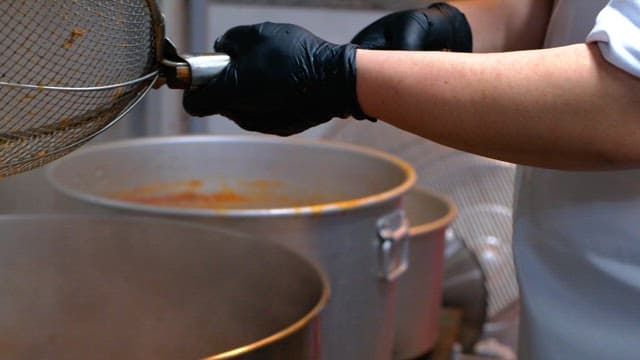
(239, 194)
(187, 199)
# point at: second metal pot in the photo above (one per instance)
(420, 289)
(340, 205)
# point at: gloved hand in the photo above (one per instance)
(281, 80)
(438, 27)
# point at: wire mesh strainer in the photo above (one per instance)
(69, 69)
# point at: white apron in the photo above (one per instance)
(577, 245)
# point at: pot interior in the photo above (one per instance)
(223, 173)
(113, 288)
(427, 210)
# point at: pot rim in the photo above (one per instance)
(286, 332)
(281, 334)
(289, 330)
(442, 222)
(409, 181)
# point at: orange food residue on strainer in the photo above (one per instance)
(76, 33)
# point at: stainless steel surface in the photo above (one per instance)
(79, 287)
(353, 188)
(70, 69)
(483, 190)
(464, 287)
(500, 334)
(187, 71)
(204, 67)
(393, 233)
(420, 289)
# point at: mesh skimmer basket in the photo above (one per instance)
(66, 73)
(71, 68)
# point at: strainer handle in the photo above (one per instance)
(187, 71)
(194, 71)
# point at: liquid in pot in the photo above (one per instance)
(240, 194)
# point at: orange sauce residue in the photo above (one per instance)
(118, 92)
(187, 199)
(245, 194)
(76, 33)
(161, 188)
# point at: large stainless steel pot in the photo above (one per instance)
(79, 287)
(420, 289)
(346, 215)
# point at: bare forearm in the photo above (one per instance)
(561, 108)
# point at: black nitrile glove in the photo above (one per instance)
(282, 80)
(438, 27)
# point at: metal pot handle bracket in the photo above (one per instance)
(393, 245)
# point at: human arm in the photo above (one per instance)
(563, 108)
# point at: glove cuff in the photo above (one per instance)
(449, 28)
(353, 106)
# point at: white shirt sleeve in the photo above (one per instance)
(617, 32)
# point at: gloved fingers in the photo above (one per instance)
(405, 30)
(282, 80)
(210, 99)
(277, 122)
(367, 40)
(235, 40)
(373, 35)
(274, 123)
(411, 34)
(196, 103)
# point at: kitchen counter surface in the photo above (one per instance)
(344, 4)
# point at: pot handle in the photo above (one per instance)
(393, 245)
